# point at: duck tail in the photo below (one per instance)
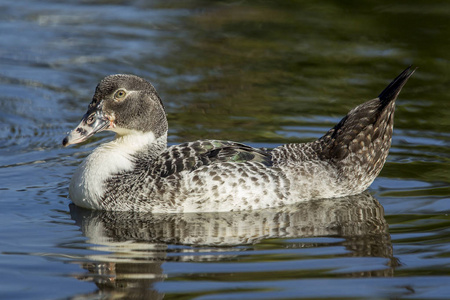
(393, 89)
(367, 126)
(358, 145)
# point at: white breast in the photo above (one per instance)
(87, 186)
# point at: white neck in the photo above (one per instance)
(87, 184)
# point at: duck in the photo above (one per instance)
(137, 171)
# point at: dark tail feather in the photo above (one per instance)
(393, 89)
(363, 125)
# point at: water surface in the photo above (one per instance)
(263, 73)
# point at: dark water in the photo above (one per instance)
(264, 73)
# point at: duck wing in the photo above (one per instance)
(191, 156)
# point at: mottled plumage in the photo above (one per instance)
(137, 172)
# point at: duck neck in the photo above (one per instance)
(137, 143)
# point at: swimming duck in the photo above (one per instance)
(138, 172)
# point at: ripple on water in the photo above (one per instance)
(260, 72)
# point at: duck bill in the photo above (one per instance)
(93, 121)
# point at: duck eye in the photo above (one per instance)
(120, 95)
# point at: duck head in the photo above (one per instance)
(124, 104)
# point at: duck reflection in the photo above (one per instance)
(132, 246)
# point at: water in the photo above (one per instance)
(264, 73)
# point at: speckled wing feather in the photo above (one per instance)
(190, 156)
